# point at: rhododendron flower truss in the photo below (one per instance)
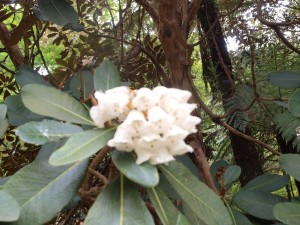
(152, 123)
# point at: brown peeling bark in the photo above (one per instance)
(173, 30)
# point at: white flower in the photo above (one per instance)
(123, 139)
(153, 123)
(159, 121)
(129, 132)
(145, 99)
(179, 95)
(111, 105)
(153, 148)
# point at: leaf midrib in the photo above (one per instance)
(51, 183)
(84, 144)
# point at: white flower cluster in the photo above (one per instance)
(153, 123)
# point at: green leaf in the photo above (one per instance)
(45, 131)
(82, 84)
(49, 101)
(167, 212)
(3, 180)
(144, 174)
(59, 12)
(81, 146)
(26, 75)
(290, 164)
(294, 104)
(3, 127)
(43, 190)
(119, 204)
(288, 213)
(106, 76)
(167, 187)
(17, 113)
(47, 149)
(188, 163)
(284, 79)
(256, 203)
(192, 216)
(200, 198)
(240, 218)
(231, 174)
(3, 111)
(9, 208)
(267, 183)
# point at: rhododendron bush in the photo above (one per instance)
(141, 131)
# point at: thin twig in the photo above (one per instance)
(99, 157)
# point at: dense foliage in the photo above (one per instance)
(88, 137)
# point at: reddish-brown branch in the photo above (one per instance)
(147, 6)
(276, 27)
(99, 176)
(204, 168)
(13, 51)
(272, 24)
(216, 118)
(99, 157)
(249, 138)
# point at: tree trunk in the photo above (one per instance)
(174, 23)
(245, 153)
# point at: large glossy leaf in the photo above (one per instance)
(106, 76)
(267, 183)
(144, 174)
(290, 164)
(167, 187)
(51, 102)
(294, 104)
(119, 204)
(26, 75)
(288, 213)
(46, 131)
(3, 180)
(3, 126)
(240, 218)
(3, 120)
(258, 204)
(17, 113)
(82, 84)
(9, 208)
(205, 203)
(43, 190)
(59, 12)
(284, 79)
(3, 111)
(192, 216)
(81, 146)
(167, 212)
(47, 149)
(231, 174)
(188, 163)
